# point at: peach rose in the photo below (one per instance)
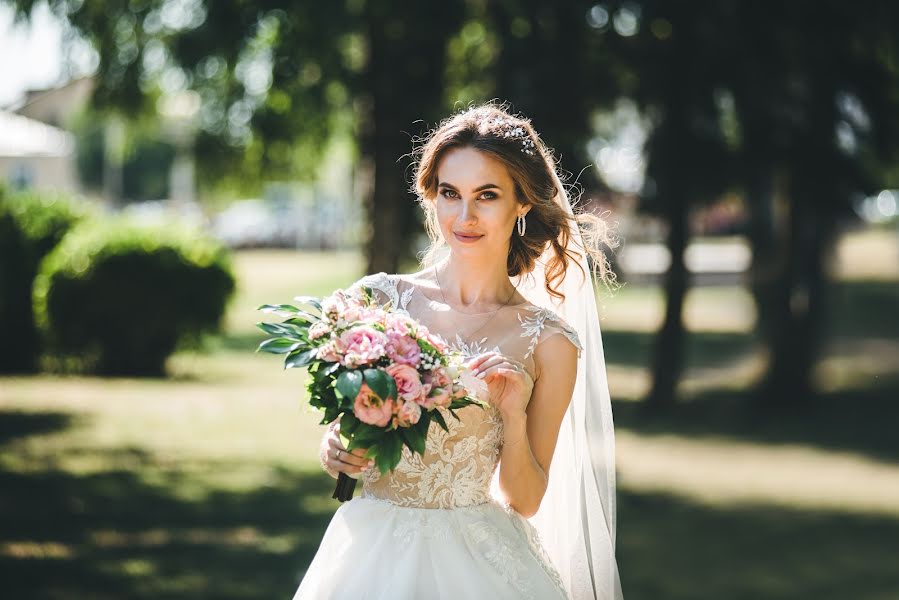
(408, 414)
(370, 409)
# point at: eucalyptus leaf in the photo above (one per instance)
(278, 346)
(300, 359)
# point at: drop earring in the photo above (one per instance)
(522, 225)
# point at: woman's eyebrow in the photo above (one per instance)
(486, 186)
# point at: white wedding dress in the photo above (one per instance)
(431, 528)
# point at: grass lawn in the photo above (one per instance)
(206, 484)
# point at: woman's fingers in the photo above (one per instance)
(338, 455)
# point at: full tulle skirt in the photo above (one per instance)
(374, 549)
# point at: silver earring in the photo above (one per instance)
(522, 225)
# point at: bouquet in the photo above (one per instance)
(381, 373)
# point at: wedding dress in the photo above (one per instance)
(435, 526)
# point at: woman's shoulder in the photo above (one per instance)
(540, 324)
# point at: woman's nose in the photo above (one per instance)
(469, 213)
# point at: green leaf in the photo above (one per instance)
(391, 386)
(435, 414)
(278, 346)
(349, 424)
(310, 300)
(331, 368)
(279, 309)
(389, 452)
(414, 438)
(300, 359)
(349, 383)
(377, 381)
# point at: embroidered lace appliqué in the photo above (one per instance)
(533, 326)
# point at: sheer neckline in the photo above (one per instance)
(417, 290)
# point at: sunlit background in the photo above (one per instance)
(166, 166)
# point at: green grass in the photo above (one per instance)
(206, 484)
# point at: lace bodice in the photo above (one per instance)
(458, 466)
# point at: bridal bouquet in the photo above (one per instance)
(383, 374)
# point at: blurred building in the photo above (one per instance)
(36, 155)
(55, 106)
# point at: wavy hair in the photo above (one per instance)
(511, 138)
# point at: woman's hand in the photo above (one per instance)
(509, 384)
(336, 459)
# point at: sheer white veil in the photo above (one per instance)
(577, 517)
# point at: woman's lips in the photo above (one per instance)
(467, 238)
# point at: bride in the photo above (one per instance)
(516, 500)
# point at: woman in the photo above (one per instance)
(516, 500)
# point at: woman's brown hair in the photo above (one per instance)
(510, 138)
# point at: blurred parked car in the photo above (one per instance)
(256, 223)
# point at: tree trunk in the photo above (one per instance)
(762, 235)
(667, 357)
(801, 292)
(403, 80)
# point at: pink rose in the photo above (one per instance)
(399, 324)
(408, 384)
(403, 349)
(363, 345)
(370, 409)
(408, 414)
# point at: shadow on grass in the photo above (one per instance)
(674, 549)
(704, 349)
(860, 309)
(113, 535)
(860, 420)
(17, 424)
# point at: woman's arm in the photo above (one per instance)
(531, 426)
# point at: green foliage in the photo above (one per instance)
(31, 225)
(117, 298)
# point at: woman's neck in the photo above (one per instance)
(468, 283)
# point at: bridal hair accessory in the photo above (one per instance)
(576, 521)
(522, 225)
(512, 130)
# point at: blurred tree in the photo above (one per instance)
(274, 81)
(815, 91)
(669, 63)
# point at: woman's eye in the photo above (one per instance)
(448, 193)
(489, 196)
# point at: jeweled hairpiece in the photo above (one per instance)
(511, 130)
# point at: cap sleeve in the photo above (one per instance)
(542, 323)
(385, 288)
(558, 326)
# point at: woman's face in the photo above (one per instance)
(476, 203)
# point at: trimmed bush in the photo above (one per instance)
(31, 225)
(116, 298)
